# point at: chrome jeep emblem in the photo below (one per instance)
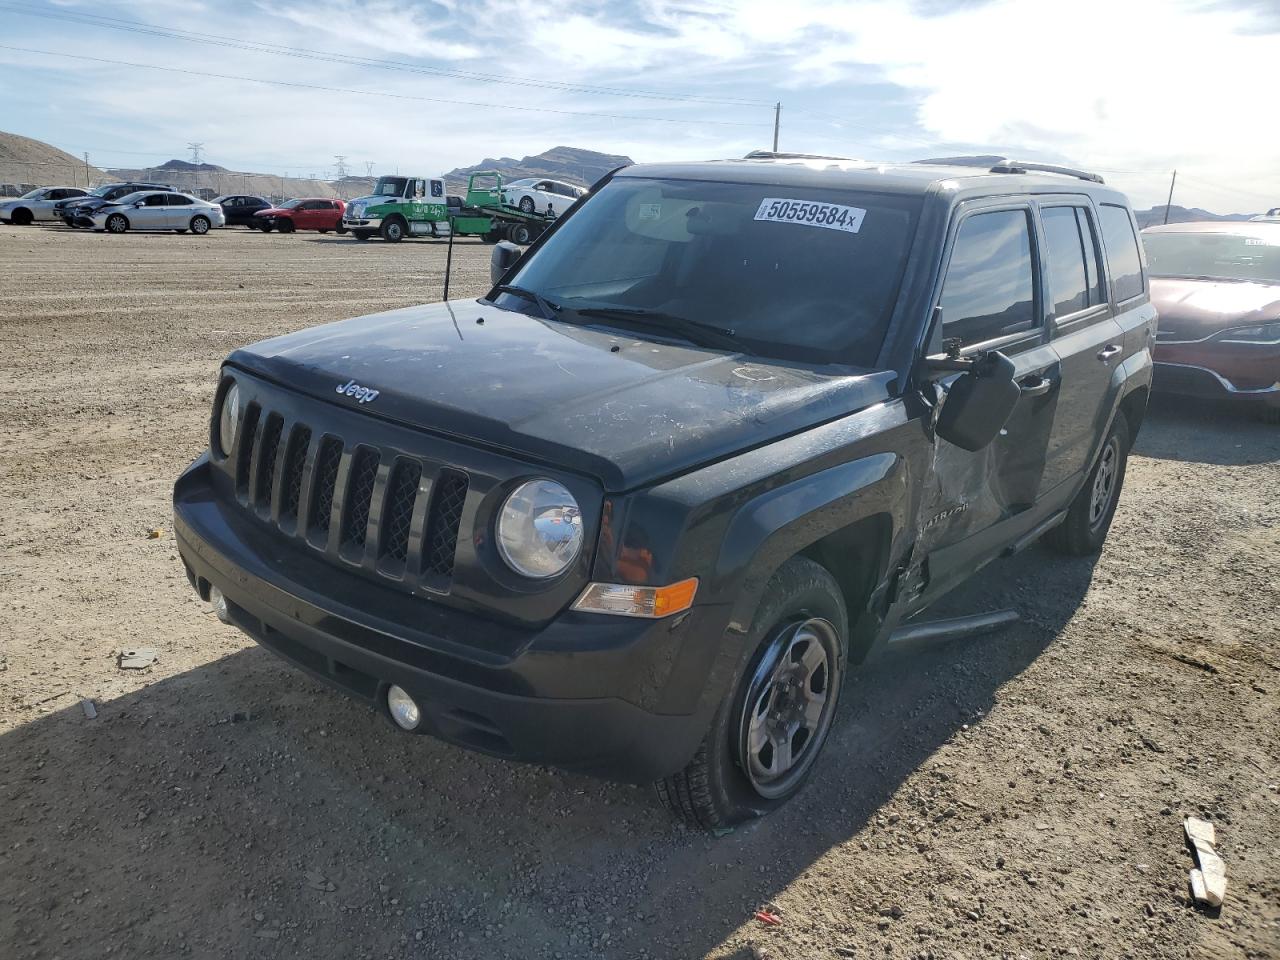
(359, 393)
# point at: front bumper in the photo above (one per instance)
(362, 223)
(1216, 371)
(576, 693)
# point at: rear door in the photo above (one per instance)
(1086, 337)
(975, 503)
(180, 211)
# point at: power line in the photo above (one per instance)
(379, 93)
(327, 56)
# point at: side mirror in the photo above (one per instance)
(140, 203)
(979, 402)
(505, 253)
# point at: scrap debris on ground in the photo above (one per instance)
(1015, 795)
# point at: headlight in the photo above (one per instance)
(1259, 333)
(540, 529)
(229, 419)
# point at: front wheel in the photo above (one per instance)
(393, 231)
(769, 730)
(265, 227)
(1090, 514)
(200, 225)
(117, 223)
(520, 233)
(526, 204)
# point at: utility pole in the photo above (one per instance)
(86, 169)
(1172, 181)
(777, 122)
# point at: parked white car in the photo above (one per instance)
(159, 210)
(549, 197)
(36, 205)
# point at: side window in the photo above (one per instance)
(1073, 259)
(437, 188)
(990, 286)
(1093, 269)
(177, 200)
(1122, 251)
(155, 200)
(57, 195)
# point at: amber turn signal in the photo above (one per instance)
(624, 600)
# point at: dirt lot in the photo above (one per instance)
(1014, 796)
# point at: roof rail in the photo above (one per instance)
(1005, 165)
(774, 155)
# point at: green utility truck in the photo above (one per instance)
(402, 207)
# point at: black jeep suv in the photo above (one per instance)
(704, 446)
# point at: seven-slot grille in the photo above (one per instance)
(365, 514)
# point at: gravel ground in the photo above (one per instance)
(1014, 796)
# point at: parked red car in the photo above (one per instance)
(1216, 286)
(308, 213)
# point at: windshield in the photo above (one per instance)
(288, 205)
(102, 191)
(793, 272)
(134, 197)
(390, 186)
(1213, 256)
(521, 183)
(33, 194)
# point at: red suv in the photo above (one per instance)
(305, 214)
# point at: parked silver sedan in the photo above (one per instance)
(158, 210)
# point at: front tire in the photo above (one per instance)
(21, 217)
(1089, 517)
(200, 225)
(526, 204)
(286, 226)
(265, 227)
(520, 233)
(117, 223)
(769, 730)
(393, 231)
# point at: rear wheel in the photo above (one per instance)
(323, 230)
(117, 223)
(393, 230)
(1090, 514)
(265, 227)
(200, 225)
(339, 229)
(526, 204)
(769, 730)
(520, 233)
(21, 217)
(361, 234)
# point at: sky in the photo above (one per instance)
(1129, 88)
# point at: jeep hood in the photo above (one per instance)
(557, 392)
(1194, 309)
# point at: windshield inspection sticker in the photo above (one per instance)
(833, 216)
(650, 211)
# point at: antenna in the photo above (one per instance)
(195, 149)
(342, 166)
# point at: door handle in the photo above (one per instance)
(1035, 385)
(1109, 351)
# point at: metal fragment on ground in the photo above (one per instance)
(138, 658)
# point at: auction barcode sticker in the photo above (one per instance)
(833, 216)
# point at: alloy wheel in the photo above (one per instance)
(1104, 483)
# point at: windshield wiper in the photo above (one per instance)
(549, 310)
(702, 334)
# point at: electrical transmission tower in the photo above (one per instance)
(342, 166)
(195, 149)
(368, 168)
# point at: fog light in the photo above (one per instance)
(404, 711)
(219, 604)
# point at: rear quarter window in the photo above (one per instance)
(1123, 256)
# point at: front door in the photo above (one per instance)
(152, 215)
(977, 502)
